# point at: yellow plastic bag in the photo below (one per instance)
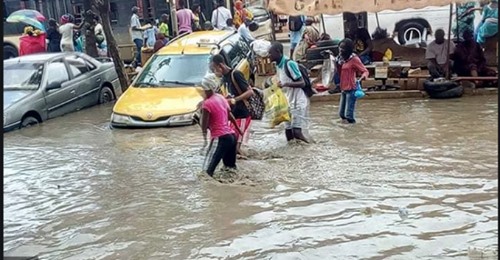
(388, 54)
(276, 106)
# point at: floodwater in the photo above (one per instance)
(74, 189)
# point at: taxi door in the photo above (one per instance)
(238, 55)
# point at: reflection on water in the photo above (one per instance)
(73, 189)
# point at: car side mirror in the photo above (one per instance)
(54, 85)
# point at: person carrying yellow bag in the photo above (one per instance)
(276, 106)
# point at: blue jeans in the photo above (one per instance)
(347, 105)
(138, 45)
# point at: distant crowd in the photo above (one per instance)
(188, 21)
(62, 36)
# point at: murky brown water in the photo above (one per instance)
(73, 189)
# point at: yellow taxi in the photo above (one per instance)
(167, 91)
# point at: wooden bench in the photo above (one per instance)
(417, 78)
(471, 79)
(384, 71)
(474, 78)
(405, 82)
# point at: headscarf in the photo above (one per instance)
(210, 82)
(238, 5)
(65, 19)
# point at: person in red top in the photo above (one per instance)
(160, 42)
(349, 66)
(32, 41)
(215, 112)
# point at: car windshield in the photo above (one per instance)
(173, 70)
(22, 76)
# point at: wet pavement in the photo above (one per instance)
(414, 179)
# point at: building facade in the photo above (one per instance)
(120, 12)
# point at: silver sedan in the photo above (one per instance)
(42, 86)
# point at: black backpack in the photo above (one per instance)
(295, 23)
(305, 75)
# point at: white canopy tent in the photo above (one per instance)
(332, 7)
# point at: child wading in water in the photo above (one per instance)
(349, 66)
(215, 114)
(291, 83)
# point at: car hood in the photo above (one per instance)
(152, 103)
(12, 96)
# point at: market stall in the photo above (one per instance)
(415, 57)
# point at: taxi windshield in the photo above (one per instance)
(174, 70)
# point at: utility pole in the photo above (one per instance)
(173, 16)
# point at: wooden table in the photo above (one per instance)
(383, 72)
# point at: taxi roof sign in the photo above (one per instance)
(205, 42)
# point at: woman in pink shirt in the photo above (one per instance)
(349, 66)
(215, 112)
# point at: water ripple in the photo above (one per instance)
(74, 189)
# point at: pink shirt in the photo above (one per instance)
(184, 19)
(218, 108)
(348, 72)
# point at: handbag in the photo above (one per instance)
(359, 93)
(255, 104)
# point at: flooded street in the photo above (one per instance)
(74, 189)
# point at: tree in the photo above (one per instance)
(88, 30)
(102, 7)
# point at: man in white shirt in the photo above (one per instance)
(245, 29)
(136, 32)
(220, 16)
(436, 55)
